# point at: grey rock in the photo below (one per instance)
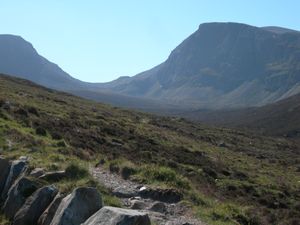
(35, 205)
(54, 176)
(49, 213)
(158, 207)
(17, 168)
(17, 196)
(23, 158)
(162, 195)
(37, 172)
(136, 204)
(4, 170)
(118, 216)
(78, 207)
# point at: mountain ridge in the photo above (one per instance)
(205, 68)
(19, 58)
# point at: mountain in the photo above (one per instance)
(281, 118)
(279, 30)
(223, 65)
(226, 176)
(19, 58)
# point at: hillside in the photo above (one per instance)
(19, 58)
(228, 176)
(277, 119)
(223, 65)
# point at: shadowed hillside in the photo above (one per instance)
(278, 119)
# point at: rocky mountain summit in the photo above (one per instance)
(223, 65)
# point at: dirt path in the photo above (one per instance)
(161, 213)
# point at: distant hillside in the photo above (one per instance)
(19, 58)
(223, 65)
(227, 176)
(279, 119)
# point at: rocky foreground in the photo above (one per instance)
(28, 197)
(25, 199)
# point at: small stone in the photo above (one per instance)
(37, 172)
(158, 207)
(54, 176)
(137, 204)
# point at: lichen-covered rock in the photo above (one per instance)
(17, 168)
(49, 213)
(17, 196)
(78, 207)
(4, 170)
(118, 216)
(35, 205)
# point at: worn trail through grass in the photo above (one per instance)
(161, 213)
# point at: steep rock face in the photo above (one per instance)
(223, 64)
(78, 207)
(118, 216)
(35, 206)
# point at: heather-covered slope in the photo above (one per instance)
(227, 176)
(278, 119)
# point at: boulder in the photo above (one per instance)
(4, 170)
(17, 196)
(162, 195)
(35, 205)
(118, 216)
(158, 207)
(78, 207)
(137, 204)
(16, 169)
(37, 172)
(49, 213)
(54, 176)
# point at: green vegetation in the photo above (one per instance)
(3, 220)
(227, 176)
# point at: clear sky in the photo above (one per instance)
(97, 40)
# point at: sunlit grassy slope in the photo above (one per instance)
(229, 177)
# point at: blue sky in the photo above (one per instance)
(100, 40)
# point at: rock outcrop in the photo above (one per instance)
(77, 207)
(4, 170)
(49, 213)
(26, 201)
(118, 216)
(35, 205)
(17, 196)
(17, 168)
